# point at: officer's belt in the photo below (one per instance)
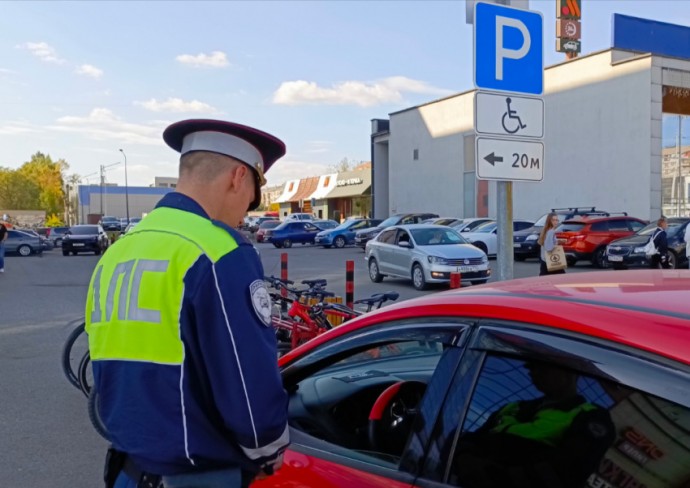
(142, 478)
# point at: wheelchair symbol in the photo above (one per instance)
(512, 115)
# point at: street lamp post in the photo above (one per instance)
(103, 168)
(126, 186)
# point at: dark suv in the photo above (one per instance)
(111, 223)
(365, 235)
(525, 241)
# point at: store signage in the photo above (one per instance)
(638, 448)
(568, 28)
(350, 181)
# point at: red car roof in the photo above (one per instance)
(645, 309)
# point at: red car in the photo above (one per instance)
(586, 237)
(265, 229)
(567, 380)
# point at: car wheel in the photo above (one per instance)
(24, 250)
(418, 277)
(65, 253)
(480, 245)
(339, 242)
(287, 243)
(672, 260)
(570, 261)
(599, 259)
(374, 274)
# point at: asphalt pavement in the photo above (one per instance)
(46, 439)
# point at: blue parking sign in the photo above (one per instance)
(508, 49)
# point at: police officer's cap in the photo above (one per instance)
(255, 148)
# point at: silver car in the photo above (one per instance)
(426, 254)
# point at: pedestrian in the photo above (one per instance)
(660, 239)
(547, 240)
(179, 321)
(687, 247)
(3, 237)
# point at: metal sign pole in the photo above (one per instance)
(504, 230)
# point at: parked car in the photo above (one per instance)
(525, 241)
(297, 231)
(298, 216)
(468, 225)
(110, 223)
(363, 236)
(485, 236)
(628, 252)
(586, 238)
(398, 398)
(325, 224)
(247, 221)
(53, 234)
(84, 238)
(449, 221)
(344, 234)
(254, 226)
(266, 229)
(23, 243)
(425, 254)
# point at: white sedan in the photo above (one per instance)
(486, 239)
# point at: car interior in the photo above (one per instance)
(366, 402)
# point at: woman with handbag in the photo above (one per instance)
(547, 240)
(660, 259)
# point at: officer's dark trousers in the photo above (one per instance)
(226, 478)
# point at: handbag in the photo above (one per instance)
(555, 259)
(650, 248)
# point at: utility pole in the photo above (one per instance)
(126, 186)
(103, 168)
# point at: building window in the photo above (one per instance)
(326, 180)
(292, 184)
(415, 154)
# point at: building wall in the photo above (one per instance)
(142, 200)
(433, 182)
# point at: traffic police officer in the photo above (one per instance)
(179, 324)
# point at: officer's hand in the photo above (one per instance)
(270, 469)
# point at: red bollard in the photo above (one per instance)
(350, 283)
(283, 271)
(455, 280)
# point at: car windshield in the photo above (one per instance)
(487, 227)
(84, 230)
(673, 227)
(437, 237)
(390, 221)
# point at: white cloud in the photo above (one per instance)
(14, 128)
(318, 146)
(43, 51)
(103, 125)
(89, 70)
(285, 170)
(176, 105)
(363, 94)
(217, 59)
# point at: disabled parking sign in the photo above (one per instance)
(508, 49)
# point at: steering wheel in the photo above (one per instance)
(392, 414)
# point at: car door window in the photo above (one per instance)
(600, 226)
(367, 401)
(387, 236)
(618, 225)
(403, 236)
(546, 423)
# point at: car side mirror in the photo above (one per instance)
(406, 244)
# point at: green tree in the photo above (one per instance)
(48, 175)
(17, 191)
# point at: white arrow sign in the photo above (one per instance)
(503, 159)
(508, 115)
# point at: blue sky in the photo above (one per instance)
(80, 80)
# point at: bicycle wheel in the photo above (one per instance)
(73, 352)
(85, 374)
(94, 415)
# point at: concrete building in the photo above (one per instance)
(110, 200)
(165, 181)
(609, 118)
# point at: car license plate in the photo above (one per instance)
(616, 258)
(516, 245)
(467, 269)
(78, 244)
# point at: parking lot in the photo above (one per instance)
(45, 435)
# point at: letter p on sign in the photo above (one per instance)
(508, 49)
